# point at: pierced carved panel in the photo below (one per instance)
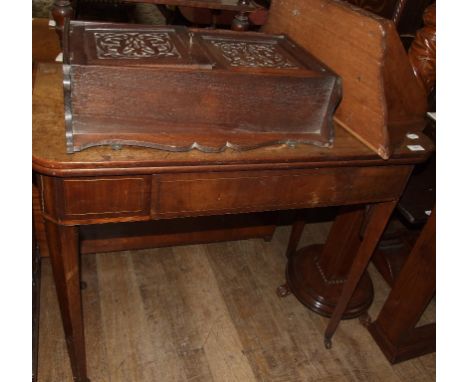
(253, 55)
(134, 45)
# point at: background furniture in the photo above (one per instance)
(65, 9)
(36, 294)
(406, 14)
(395, 329)
(419, 196)
(238, 10)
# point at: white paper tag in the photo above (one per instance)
(428, 212)
(59, 58)
(432, 115)
(412, 136)
(51, 23)
(416, 148)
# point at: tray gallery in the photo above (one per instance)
(177, 89)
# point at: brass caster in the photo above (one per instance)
(365, 320)
(283, 290)
(327, 342)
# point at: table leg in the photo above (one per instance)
(296, 232)
(64, 256)
(297, 228)
(377, 219)
(61, 9)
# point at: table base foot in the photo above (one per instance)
(312, 289)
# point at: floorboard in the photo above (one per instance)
(210, 313)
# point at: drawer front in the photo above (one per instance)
(223, 192)
(106, 197)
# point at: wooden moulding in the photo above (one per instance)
(176, 89)
(382, 99)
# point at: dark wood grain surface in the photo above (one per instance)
(50, 156)
(133, 84)
(382, 98)
(64, 240)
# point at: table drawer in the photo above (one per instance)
(245, 191)
(105, 197)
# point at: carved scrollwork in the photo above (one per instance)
(422, 53)
(134, 45)
(253, 55)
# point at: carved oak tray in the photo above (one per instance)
(176, 89)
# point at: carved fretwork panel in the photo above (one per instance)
(422, 53)
(253, 54)
(134, 45)
(129, 45)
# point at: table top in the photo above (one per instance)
(50, 156)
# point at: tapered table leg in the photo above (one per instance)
(296, 232)
(64, 256)
(377, 219)
(297, 228)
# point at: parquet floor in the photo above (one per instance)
(210, 313)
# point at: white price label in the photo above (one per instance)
(416, 148)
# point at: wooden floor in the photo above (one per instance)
(210, 313)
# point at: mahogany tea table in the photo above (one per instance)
(101, 185)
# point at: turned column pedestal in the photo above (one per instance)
(316, 274)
